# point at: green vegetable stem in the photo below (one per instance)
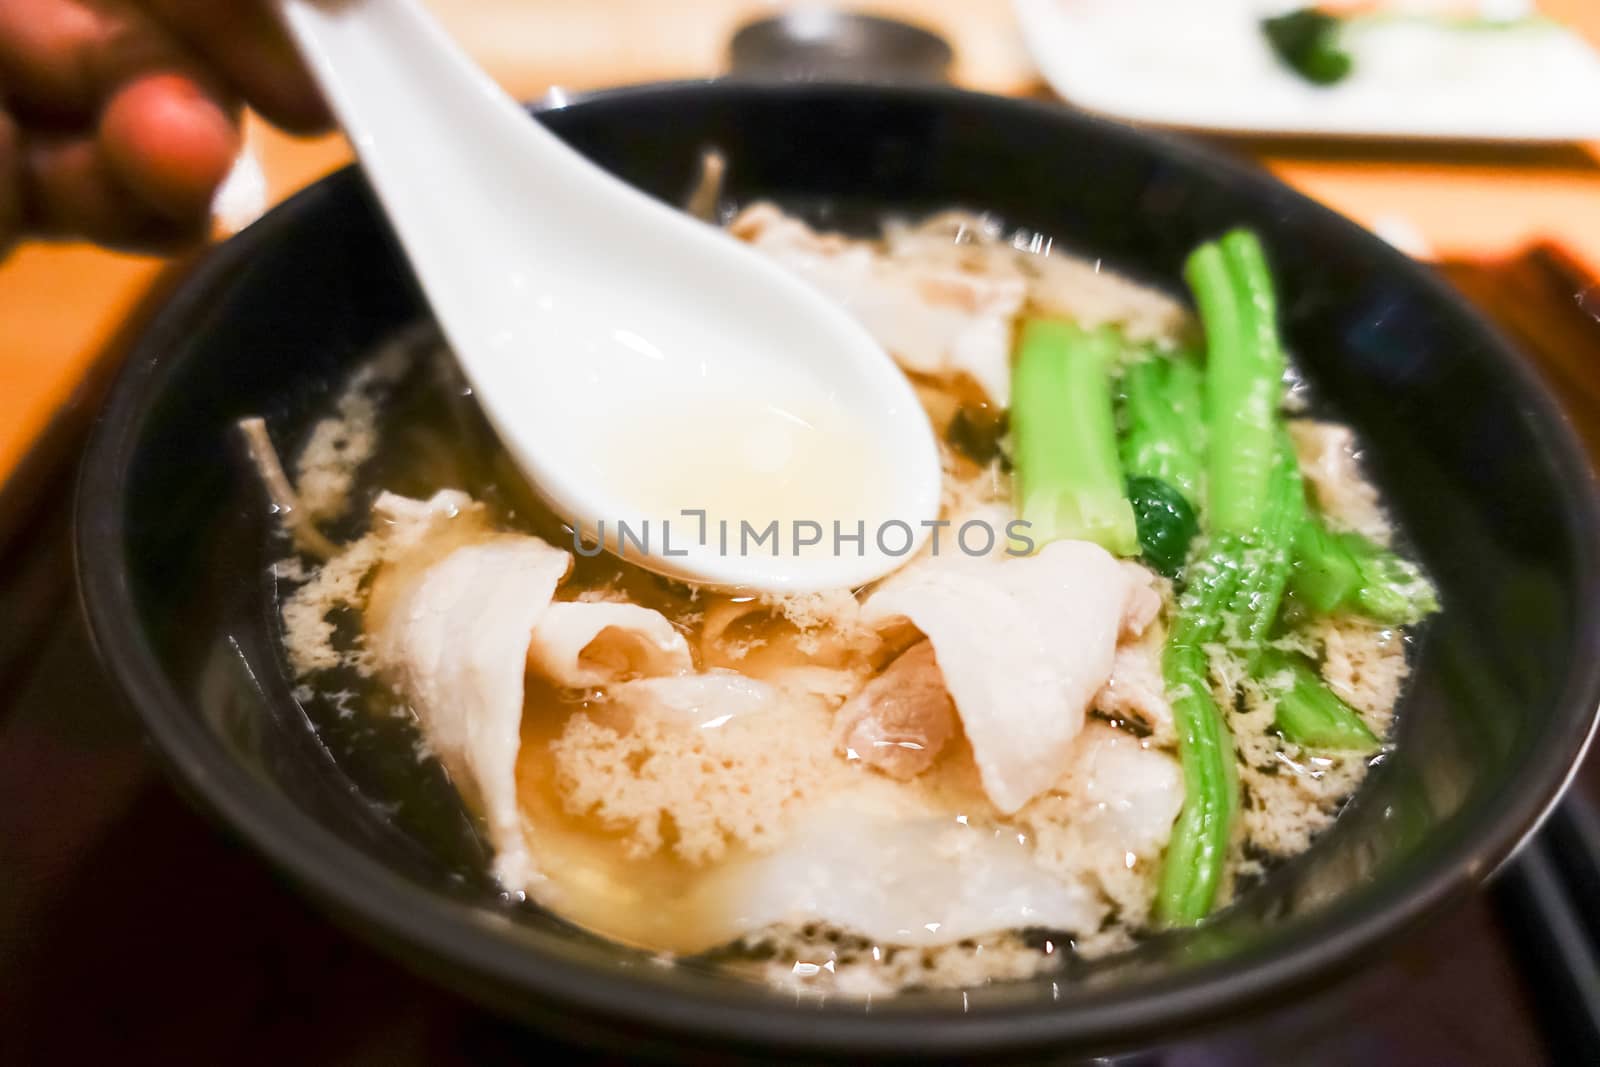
(1067, 474)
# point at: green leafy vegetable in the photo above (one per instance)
(1309, 43)
(1068, 477)
(1263, 544)
(977, 433)
(1166, 523)
(1243, 381)
(1392, 589)
(1308, 712)
(1325, 575)
(1164, 423)
(1198, 849)
(1270, 559)
(1347, 572)
(1254, 505)
(1316, 44)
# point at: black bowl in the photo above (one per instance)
(1478, 464)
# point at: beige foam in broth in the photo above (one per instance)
(650, 902)
(599, 875)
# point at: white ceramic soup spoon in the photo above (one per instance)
(660, 384)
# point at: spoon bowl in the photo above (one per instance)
(670, 392)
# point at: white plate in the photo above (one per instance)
(1204, 65)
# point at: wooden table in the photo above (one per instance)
(59, 304)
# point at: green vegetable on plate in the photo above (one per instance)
(1310, 43)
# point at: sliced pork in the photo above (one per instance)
(935, 318)
(1124, 794)
(1110, 816)
(1023, 645)
(900, 720)
(458, 634)
(588, 644)
(455, 639)
(902, 881)
(1136, 689)
(708, 700)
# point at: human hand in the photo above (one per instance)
(118, 118)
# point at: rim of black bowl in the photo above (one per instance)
(420, 921)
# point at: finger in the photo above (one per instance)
(72, 190)
(61, 58)
(170, 143)
(248, 46)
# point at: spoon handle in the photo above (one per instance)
(445, 149)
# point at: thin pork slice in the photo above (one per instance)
(1024, 645)
(588, 644)
(900, 720)
(1123, 793)
(455, 638)
(934, 318)
(901, 881)
(709, 701)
